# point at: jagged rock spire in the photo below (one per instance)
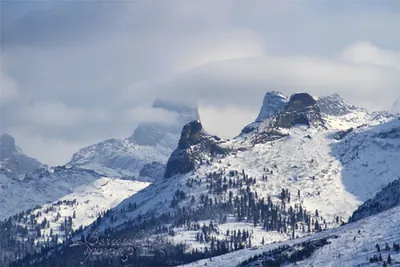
(193, 144)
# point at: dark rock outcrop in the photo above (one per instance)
(302, 109)
(193, 145)
(342, 134)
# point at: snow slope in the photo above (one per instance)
(90, 200)
(52, 223)
(22, 192)
(387, 198)
(354, 245)
(120, 158)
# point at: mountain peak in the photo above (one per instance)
(302, 109)
(273, 102)
(12, 158)
(334, 105)
(300, 101)
(193, 145)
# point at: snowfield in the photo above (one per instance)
(85, 204)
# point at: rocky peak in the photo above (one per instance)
(13, 159)
(334, 105)
(300, 101)
(274, 102)
(7, 145)
(302, 109)
(191, 134)
(193, 145)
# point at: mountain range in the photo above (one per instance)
(293, 176)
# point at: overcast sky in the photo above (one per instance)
(74, 73)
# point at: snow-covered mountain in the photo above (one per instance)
(336, 162)
(151, 143)
(23, 192)
(50, 224)
(13, 159)
(302, 169)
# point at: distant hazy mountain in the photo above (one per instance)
(13, 159)
(150, 145)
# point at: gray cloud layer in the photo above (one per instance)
(74, 73)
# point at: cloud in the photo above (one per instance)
(243, 82)
(149, 114)
(83, 70)
(227, 121)
(365, 53)
(59, 115)
(8, 88)
(51, 151)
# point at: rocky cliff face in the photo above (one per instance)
(302, 109)
(273, 103)
(193, 147)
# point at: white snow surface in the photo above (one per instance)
(91, 200)
(122, 157)
(23, 192)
